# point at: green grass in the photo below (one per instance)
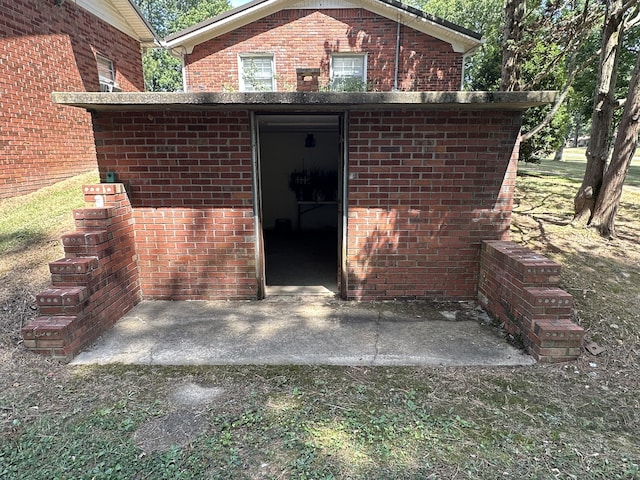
(34, 218)
(329, 422)
(574, 421)
(573, 164)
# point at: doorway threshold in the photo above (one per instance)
(299, 290)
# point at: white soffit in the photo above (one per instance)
(124, 16)
(460, 42)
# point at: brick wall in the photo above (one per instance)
(305, 39)
(44, 48)
(425, 189)
(190, 178)
(521, 289)
(95, 283)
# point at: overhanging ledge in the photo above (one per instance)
(126, 101)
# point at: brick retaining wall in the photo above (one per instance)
(94, 284)
(520, 288)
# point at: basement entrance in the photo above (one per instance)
(299, 164)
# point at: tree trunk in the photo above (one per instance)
(625, 146)
(603, 108)
(558, 156)
(514, 12)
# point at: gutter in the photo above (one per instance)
(397, 67)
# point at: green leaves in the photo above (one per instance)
(162, 71)
(200, 11)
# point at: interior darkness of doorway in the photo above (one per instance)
(302, 258)
(299, 161)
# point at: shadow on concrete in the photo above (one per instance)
(303, 331)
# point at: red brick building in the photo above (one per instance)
(273, 174)
(57, 45)
(304, 46)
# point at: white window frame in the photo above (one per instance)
(336, 78)
(243, 59)
(106, 74)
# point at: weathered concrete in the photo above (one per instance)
(299, 330)
(305, 101)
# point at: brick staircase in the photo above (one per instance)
(95, 283)
(521, 289)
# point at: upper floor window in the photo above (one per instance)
(349, 72)
(257, 73)
(106, 74)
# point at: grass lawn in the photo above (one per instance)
(574, 421)
(573, 164)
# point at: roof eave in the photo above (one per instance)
(126, 17)
(461, 41)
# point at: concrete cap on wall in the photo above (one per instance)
(304, 101)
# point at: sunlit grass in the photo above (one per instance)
(30, 219)
(573, 165)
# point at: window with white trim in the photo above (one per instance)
(106, 74)
(349, 72)
(257, 73)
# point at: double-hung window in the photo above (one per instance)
(348, 72)
(257, 73)
(106, 74)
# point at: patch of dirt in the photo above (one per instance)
(176, 429)
(182, 426)
(23, 275)
(194, 395)
(31, 383)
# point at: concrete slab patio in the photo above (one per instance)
(305, 331)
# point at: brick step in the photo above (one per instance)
(92, 218)
(101, 189)
(556, 340)
(58, 336)
(70, 272)
(558, 333)
(527, 268)
(47, 332)
(89, 243)
(63, 301)
(551, 303)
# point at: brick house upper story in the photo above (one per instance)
(282, 45)
(58, 45)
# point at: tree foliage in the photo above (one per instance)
(163, 71)
(541, 55)
(482, 72)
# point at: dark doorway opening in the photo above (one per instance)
(301, 259)
(300, 159)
